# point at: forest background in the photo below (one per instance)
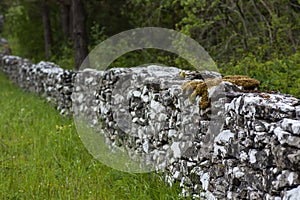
(258, 38)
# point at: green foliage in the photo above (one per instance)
(108, 15)
(279, 74)
(153, 13)
(4, 5)
(148, 56)
(256, 34)
(64, 56)
(97, 34)
(42, 157)
(24, 28)
(231, 29)
(255, 38)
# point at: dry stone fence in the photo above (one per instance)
(254, 155)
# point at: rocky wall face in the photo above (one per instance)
(44, 78)
(254, 155)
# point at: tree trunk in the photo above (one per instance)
(79, 32)
(47, 29)
(65, 18)
(65, 15)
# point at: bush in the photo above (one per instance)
(279, 74)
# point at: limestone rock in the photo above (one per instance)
(245, 146)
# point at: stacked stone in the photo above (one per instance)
(85, 98)
(44, 78)
(10, 65)
(139, 109)
(255, 154)
(265, 148)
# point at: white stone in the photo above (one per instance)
(169, 180)
(146, 146)
(161, 71)
(172, 133)
(117, 98)
(145, 90)
(204, 178)
(249, 101)
(140, 133)
(210, 196)
(80, 98)
(298, 112)
(218, 148)
(89, 80)
(296, 128)
(182, 182)
(165, 147)
(227, 120)
(190, 164)
(229, 195)
(292, 124)
(156, 106)
(259, 128)
(132, 113)
(283, 107)
(204, 163)
(292, 194)
(135, 119)
(275, 170)
(281, 134)
(293, 141)
(176, 174)
(152, 115)
(269, 197)
(291, 177)
(286, 138)
(176, 150)
(145, 98)
(243, 156)
(172, 160)
(237, 172)
(162, 117)
(224, 137)
(252, 156)
(136, 93)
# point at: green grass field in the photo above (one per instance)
(42, 157)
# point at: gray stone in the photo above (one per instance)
(291, 125)
(286, 178)
(255, 154)
(292, 194)
(298, 112)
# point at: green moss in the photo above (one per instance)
(200, 88)
(245, 81)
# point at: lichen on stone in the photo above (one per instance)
(200, 87)
(246, 82)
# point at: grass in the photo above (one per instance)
(42, 157)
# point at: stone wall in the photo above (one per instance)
(255, 154)
(44, 78)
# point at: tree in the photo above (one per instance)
(66, 20)
(79, 32)
(47, 29)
